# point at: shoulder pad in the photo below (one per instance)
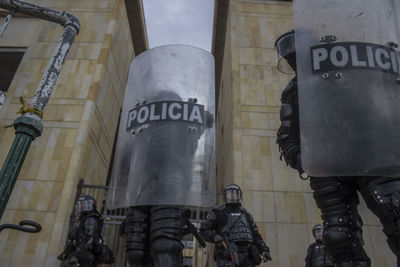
(94, 214)
(219, 208)
(248, 214)
(211, 216)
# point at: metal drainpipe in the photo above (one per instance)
(29, 125)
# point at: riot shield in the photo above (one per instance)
(349, 91)
(166, 140)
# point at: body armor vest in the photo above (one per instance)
(91, 224)
(238, 227)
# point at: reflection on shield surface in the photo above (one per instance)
(166, 141)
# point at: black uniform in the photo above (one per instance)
(337, 197)
(233, 225)
(317, 256)
(85, 244)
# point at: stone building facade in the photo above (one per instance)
(80, 120)
(248, 90)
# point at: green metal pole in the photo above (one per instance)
(26, 130)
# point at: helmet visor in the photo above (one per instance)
(285, 51)
(317, 232)
(232, 196)
(85, 205)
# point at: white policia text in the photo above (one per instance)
(165, 111)
(352, 55)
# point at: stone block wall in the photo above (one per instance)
(80, 121)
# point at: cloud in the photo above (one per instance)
(179, 22)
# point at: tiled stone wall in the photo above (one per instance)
(79, 122)
(224, 126)
(249, 103)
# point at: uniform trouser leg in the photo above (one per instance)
(137, 237)
(166, 232)
(337, 199)
(225, 263)
(221, 257)
(382, 196)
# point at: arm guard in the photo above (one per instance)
(72, 239)
(309, 257)
(288, 137)
(207, 229)
(259, 242)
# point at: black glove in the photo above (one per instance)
(73, 260)
(302, 174)
(266, 256)
(218, 238)
(209, 119)
(62, 256)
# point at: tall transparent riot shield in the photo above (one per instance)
(349, 91)
(166, 140)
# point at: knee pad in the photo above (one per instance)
(345, 244)
(166, 222)
(136, 257)
(382, 195)
(337, 235)
(165, 245)
(354, 264)
(137, 237)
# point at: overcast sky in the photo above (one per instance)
(179, 22)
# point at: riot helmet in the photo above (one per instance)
(285, 50)
(162, 95)
(86, 203)
(318, 231)
(232, 194)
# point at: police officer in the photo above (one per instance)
(233, 231)
(85, 245)
(165, 151)
(337, 197)
(317, 255)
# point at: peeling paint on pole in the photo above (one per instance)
(71, 29)
(50, 76)
(5, 23)
(29, 125)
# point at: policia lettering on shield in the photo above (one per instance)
(166, 111)
(352, 55)
(340, 122)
